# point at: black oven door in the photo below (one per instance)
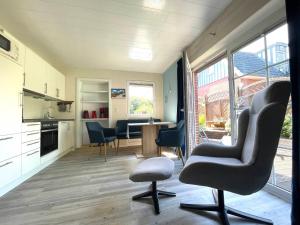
(49, 141)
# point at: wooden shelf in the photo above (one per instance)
(95, 119)
(83, 101)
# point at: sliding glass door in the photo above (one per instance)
(226, 86)
(257, 65)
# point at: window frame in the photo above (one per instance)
(129, 115)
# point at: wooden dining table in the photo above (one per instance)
(149, 134)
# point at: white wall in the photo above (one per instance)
(118, 80)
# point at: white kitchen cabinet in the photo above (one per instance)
(10, 170)
(10, 146)
(50, 78)
(65, 135)
(43, 78)
(56, 82)
(71, 135)
(31, 145)
(60, 85)
(31, 136)
(34, 126)
(34, 76)
(30, 160)
(11, 96)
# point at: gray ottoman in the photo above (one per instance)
(153, 170)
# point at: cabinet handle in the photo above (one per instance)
(24, 79)
(46, 88)
(33, 124)
(57, 92)
(4, 139)
(5, 164)
(33, 133)
(33, 153)
(21, 99)
(33, 143)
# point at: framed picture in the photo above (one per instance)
(118, 93)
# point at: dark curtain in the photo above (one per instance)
(180, 101)
(180, 95)
(293, 20)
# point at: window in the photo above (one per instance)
(140, 98)
(257, 65)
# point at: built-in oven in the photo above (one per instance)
(49, 136)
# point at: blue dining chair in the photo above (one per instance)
(101, 135)
(172, 137)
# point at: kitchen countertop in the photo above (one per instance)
(42, 120)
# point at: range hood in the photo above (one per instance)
(37, 95)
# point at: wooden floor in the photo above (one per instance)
(81, 189)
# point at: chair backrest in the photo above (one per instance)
(95, 131)
(262, 133)
(180, 129)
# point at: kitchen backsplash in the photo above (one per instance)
(36, 108)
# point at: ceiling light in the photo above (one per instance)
(154, 4)
(140, 54)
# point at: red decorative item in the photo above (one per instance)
(106, 112)
(103, 112)
(94, 114)
(85, 114)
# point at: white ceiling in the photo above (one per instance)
(99, 34)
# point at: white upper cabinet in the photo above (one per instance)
(55, 83)
(35, 68)
(43, 78)
(60, 84)
(50, 78)
(11, 75)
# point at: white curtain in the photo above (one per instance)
(189, 106)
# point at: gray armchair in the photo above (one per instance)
(245, 167)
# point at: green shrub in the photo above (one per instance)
(202, 120)
(287, 127)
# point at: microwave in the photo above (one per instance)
(8, 47)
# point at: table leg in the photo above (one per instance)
(149, 133)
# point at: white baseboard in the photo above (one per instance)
(44, 163)
(281, 193)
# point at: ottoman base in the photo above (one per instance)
(154, 194)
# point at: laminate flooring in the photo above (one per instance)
(81, 189)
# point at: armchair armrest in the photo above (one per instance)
(109, 132)
(217, 150)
